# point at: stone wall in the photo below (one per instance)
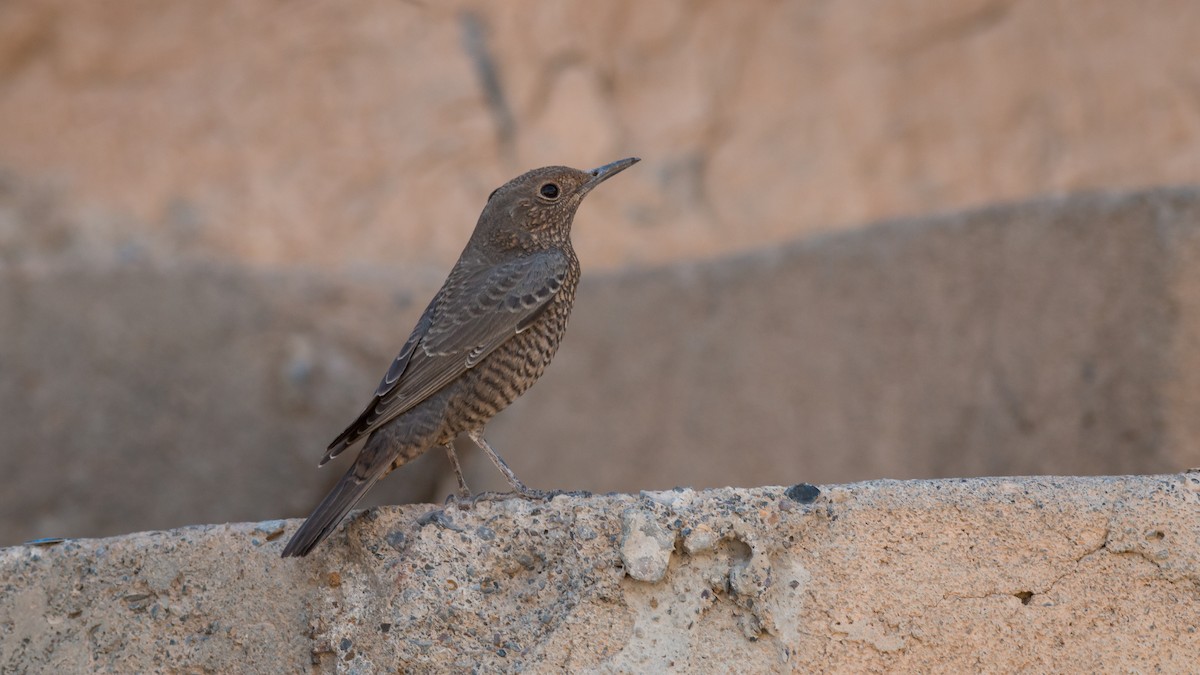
(337, 133)
(995, 575)
(1053, 337)
(218, 221)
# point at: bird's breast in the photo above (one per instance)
(514, 366)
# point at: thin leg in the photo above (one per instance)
(464, 492)
(528, 493)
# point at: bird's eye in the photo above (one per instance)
(549, 191)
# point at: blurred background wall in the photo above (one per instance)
(218, 220)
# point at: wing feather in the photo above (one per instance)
(474, 313)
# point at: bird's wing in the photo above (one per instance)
(475, 312)
(369, 418)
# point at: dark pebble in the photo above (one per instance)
(396, 540)
(803, 493)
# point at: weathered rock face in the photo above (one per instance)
(1054, 337)
(1005, 575)
(139, 144)
(138, 397)
(372, 130)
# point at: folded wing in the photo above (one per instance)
(475, 312)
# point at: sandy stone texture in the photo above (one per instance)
(333, 133)
(1059, 336)
(973, 575)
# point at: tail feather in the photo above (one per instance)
(349, 490)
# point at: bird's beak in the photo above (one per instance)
(603, 173)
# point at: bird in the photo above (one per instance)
(484, 339)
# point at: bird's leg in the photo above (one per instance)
(464, 492)
(520, 488)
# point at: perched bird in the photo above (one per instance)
(486, 337)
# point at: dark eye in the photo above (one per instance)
(549, 191)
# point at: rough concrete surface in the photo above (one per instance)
(975, 575)
(330, 133)
(1060, 336)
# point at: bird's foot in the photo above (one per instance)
(535, 495)
(489, 497)
(463, 499)
(582, 494)
(528, 493)
(525, 492)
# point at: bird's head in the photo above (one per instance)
(535, 210)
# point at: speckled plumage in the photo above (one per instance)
(484, 339)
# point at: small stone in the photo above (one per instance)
(670, 498)
(803, 493)
(271, 528)
(699, 539)
(396, 540)
(646, 546)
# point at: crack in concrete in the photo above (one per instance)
(474, 40)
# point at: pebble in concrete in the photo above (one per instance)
(646, 546)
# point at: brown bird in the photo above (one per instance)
(486, 337)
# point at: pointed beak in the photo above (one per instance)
(603, 173)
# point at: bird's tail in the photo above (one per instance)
(349, 490)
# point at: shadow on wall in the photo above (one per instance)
(1049, 337)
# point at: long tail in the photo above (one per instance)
(349, 490)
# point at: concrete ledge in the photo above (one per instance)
(1001, 574)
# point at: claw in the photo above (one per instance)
(528, 494)
(463, 499)
(535, 495)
